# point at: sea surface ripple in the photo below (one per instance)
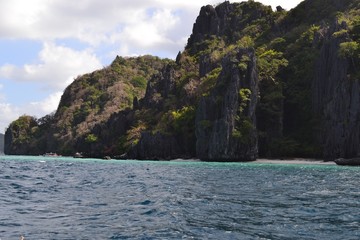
(65, 198)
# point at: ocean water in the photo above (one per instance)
(65, 198)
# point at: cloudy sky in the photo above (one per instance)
(45, 44)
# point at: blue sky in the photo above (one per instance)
(45, 45)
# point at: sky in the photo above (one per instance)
(46, 44)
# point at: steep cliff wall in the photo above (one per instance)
(162, 123)
(336, 96)
(225, 120)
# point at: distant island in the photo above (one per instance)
(1, 143)
(251, 82)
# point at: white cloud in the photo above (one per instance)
(150, 33)
(98, 22)
(56, 68)
(45, 106)
(2, 96)
(10, 112)
(145, 22)
(87, 20)
(286, 4)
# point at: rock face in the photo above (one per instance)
(2, 139)
(156, 146)
(336, 98)
(106, 142)
(225, 120)
(159, 88)
(208, 23)
(226, 19)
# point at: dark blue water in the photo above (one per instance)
(44, 198)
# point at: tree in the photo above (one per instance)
(349, 49)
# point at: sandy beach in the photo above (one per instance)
(295, 161)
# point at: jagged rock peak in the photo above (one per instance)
(210, 21)
(226, 19)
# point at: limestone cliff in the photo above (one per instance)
(225, 120)
(167, 132)
(336, 96)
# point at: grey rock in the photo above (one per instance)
(156, 146)
(211, 21)
(159, 87)
(336, 98)
(217, 113)
(107, 141)
(206, 65)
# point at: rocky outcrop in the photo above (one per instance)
(336, 98)
(159, 88)
(106, 141)
(348, 161)
(226, 19)
(161, 144)
(207, 23)
(225, 120)
(18, 136)
(156, 146)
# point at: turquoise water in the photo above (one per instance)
(65, 198)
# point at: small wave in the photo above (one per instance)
(325, 192)
(149, 212)
(146, 202)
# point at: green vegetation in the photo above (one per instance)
(91, 138)
(269, 63)
(24, 128)
(183, 119)
(89, 101)
(244, 96)
(349, 49)
(243, 125)
(242, 130)
(132, 137)
(209, 81)
(139, 82)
